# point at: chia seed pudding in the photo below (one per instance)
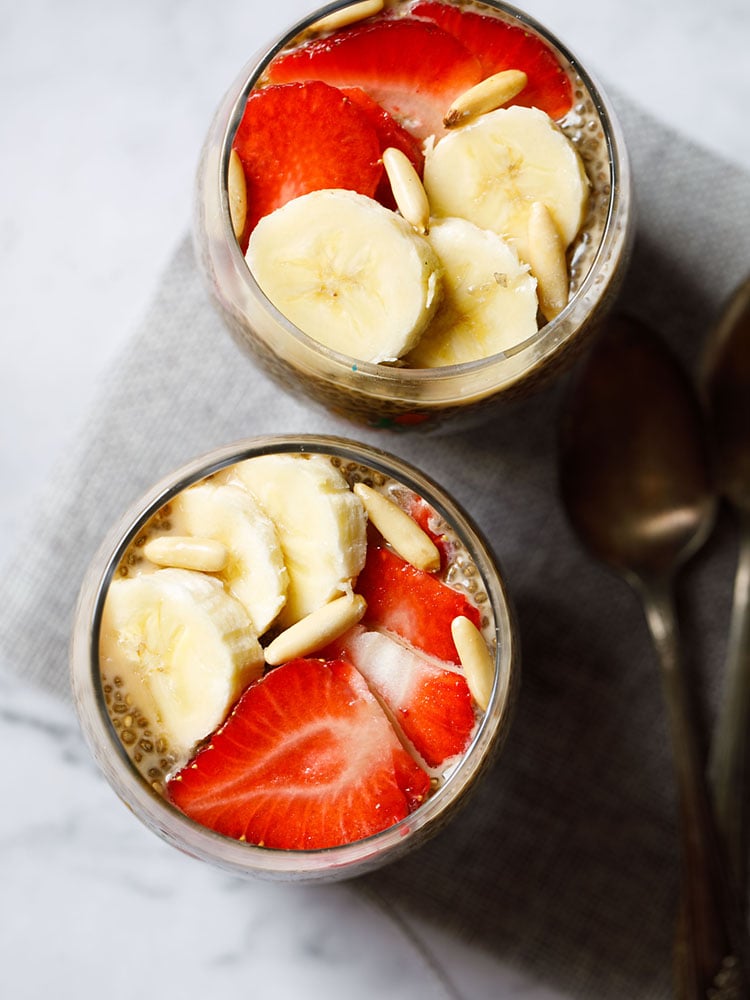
(357, 694)
(456, 349)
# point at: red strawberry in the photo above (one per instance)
(499, 45)
(389, 133)
(412, 603)
(412, 68)
(430, 702)
(303, 137)
(306, 760)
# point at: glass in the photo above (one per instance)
(246, 859)
(381, 395)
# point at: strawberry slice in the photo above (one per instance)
(303, 137)
(499, 45)
(430, 702)
(389, 133)
(416, 605)
(306, 760)
(411, 67)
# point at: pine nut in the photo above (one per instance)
(410, 195)
(187, 552)
(475, 658)
(348, 15)
(399, 530)
(316, 630)
(547, 261)
(237, 192)
(487, 95)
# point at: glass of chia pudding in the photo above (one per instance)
(294, 657)
(412, 210)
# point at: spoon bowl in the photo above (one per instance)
(634, 464)
(636, 480)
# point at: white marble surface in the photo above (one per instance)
(104, 106)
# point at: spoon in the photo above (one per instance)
(634, 476)
(727, 384)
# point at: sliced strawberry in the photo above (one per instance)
(303, 137)
(412, 603)
(306, 760)
(499, 45)
(412, 68)
(389, 133)
(429, 701)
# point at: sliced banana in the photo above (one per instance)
(348, 272)
(321, 526)
(492, 170)
(182, 648)
(254, 572)
(489, 297)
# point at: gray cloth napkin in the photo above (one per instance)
(564, 862)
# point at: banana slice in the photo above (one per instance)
(321, 525)
(489, 297)
(348, 272)
(183, 649)
(492, 171)
(254, 572)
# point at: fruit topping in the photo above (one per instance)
(489, 298)
(429, 701)
(317, 728)
(254, 572)
(414, 604)
(499, 45)
(411, 67)
(439, 113)
(368, 298)
(321, 525)
(494, 169)
(306, 760)
(182, 649)
(303, 137)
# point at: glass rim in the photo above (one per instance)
(151, 807)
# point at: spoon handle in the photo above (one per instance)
(706, 951)
(729, 753)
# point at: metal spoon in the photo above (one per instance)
(727, 383)
(635, 480)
